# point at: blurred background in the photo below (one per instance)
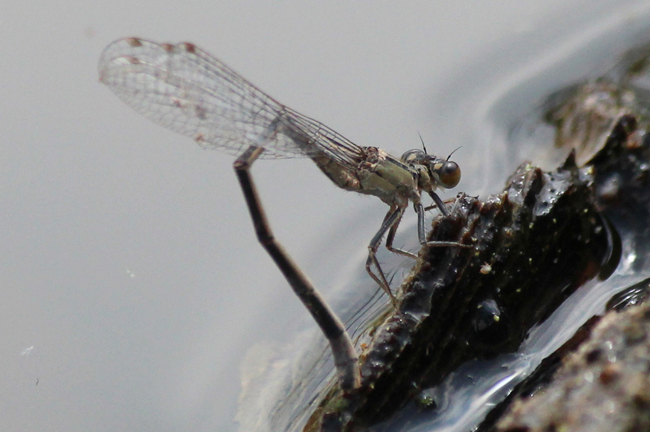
(132, 281)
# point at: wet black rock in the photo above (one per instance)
(530, 247)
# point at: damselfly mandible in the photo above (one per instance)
(188, 91)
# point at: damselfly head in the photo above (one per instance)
(443, 172)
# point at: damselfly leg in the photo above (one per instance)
(390, 224)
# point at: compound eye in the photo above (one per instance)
(413, 156)
(449, 174)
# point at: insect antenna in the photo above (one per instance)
(457, 148)
(424, 147)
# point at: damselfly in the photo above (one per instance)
(187, 90)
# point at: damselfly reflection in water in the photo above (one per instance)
(188, 91)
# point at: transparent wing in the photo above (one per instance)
(188, 91)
